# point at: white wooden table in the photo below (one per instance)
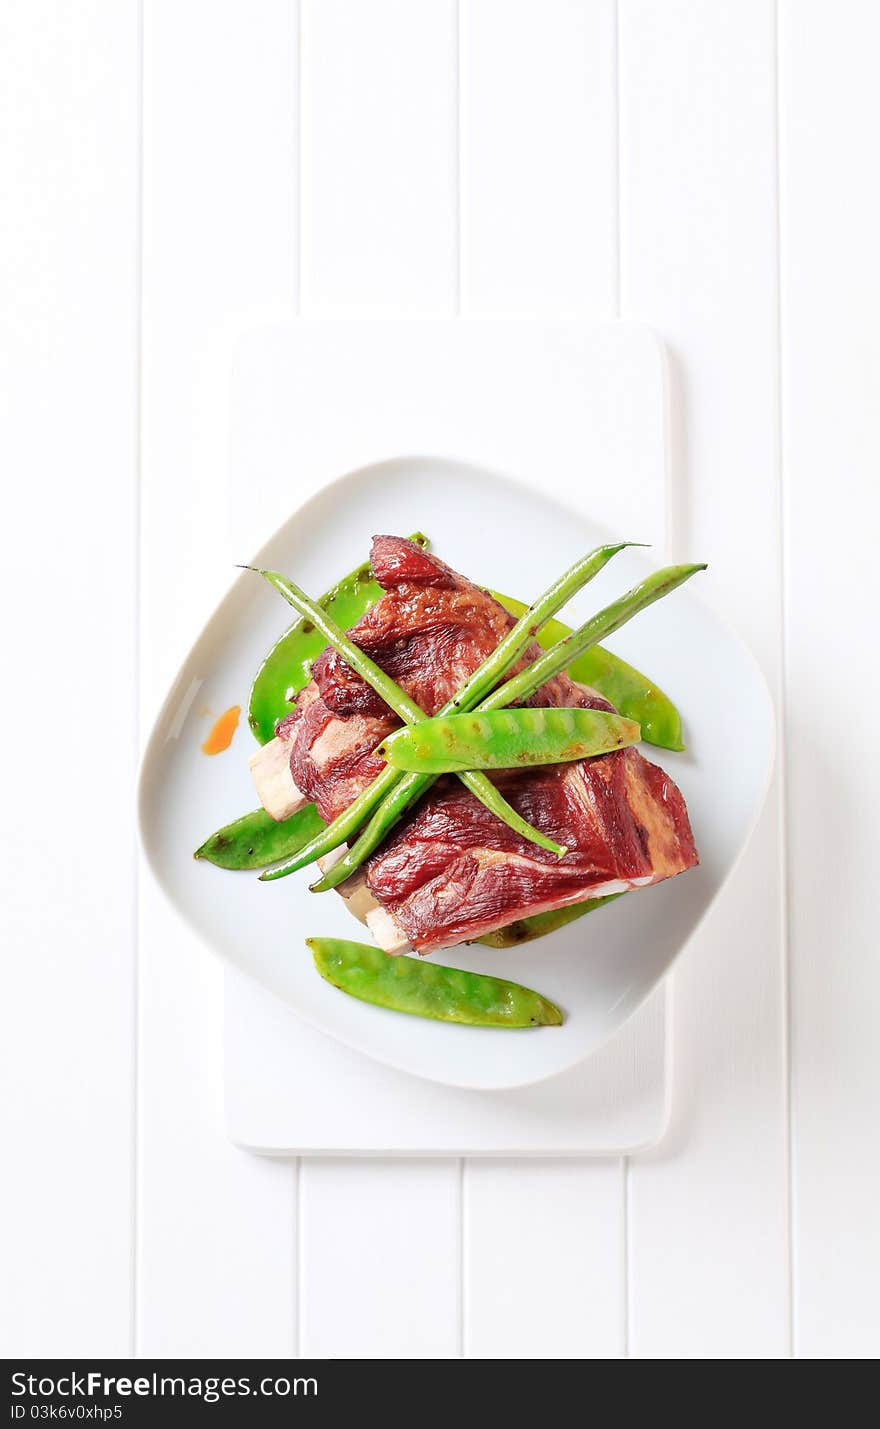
(706, 166)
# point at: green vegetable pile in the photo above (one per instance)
(476, 730)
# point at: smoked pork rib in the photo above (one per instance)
(452, 870)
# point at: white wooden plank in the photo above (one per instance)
(707, 1255)
(379, 232)
(543, 1249)
(379, 1251)
(539, 157)
(538, 235)
(216, 1228)
(830, 229)
(69, 153)
(379, 159)
(220, 184)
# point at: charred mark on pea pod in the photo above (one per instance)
(517, 932)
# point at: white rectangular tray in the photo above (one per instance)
(289, 1088)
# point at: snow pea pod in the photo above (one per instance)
(256, 840)
(429, 990)
(287, 668)
(506, 739)
(631, 692)
(524, 930)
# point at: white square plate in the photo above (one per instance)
(600, 968)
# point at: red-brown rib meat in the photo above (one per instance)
(453, 871)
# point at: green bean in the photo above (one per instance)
(341, 829)
(521, 687)
(428, 990)
(287, 668)
(563, 654)
(484, 790)
(627, 689)
(525, 930)
(521, 635)
(506, 739)
(506, 654)
(405, 791)
(256, 840)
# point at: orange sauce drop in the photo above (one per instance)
(224, 728)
